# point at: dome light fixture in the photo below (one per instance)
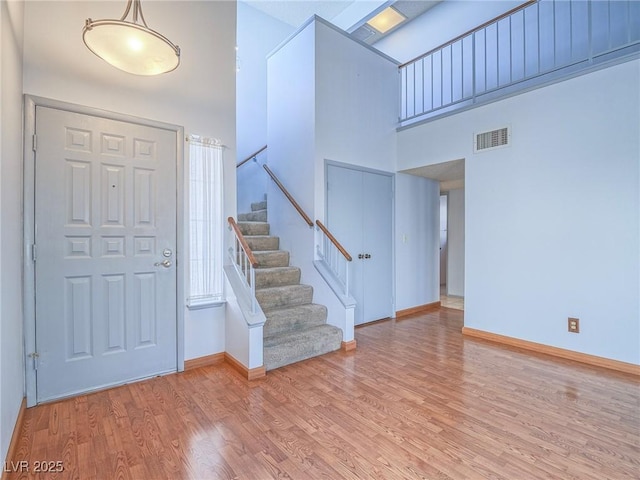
(131, 46)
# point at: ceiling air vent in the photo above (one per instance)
(492, 139)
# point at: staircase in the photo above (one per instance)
(296, 328)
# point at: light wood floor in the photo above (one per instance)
(415, 400)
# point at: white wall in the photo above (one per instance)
(258, 34)
(435, 27)
(417, 241)
(455, 248)
(291, 137)
(11, 344)
(199, 95)
(356, 107)
(552, 222)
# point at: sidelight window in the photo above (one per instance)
(205, 182)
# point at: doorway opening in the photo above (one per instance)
(452, 249)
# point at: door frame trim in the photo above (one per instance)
(360, 168)
(29, 296)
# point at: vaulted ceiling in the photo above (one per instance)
(350, 15)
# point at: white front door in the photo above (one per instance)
(105, 221)
(359, 214)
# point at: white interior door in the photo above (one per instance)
(105, 221)
(377, 221)
(359, 214)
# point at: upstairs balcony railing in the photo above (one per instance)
(539, 41)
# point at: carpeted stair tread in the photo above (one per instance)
(284, 319)
(259, 206)
(254, 228)
(276, 297)
(272, 258)
(259, 243)
(256, 216)
(301, 344)
(277, 277)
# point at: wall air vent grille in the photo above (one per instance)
(492, 139)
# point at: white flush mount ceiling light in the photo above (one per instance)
(131, 46)
(386, 20)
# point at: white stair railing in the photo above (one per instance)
(244, 262)
(333, 255)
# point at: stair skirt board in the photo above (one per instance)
(296, 329)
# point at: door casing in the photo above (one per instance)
(29, 318)
(327, 164)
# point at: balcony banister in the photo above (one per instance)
(469, 32)
(535, 44)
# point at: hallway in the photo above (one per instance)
(450, 301)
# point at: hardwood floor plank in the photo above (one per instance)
(415, 400)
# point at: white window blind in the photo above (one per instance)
(205, 222)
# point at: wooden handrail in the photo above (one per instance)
(289, 197)
(334, 241)
(479, 27)
(243, 242)
(252, 156)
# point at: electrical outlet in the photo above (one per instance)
(573, 325)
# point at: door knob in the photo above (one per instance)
(366, 255)
(360, 256)
(164, 263)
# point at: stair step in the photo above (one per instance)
(277, 277)
(259, 206)
(300, 345)
(257, 216)
(295, 329)
(254, 228)
(272, 258)
(263, 242)
(294, 318)
(290, 295)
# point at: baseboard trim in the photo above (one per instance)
(15, 438)
(205, 361)
(248, 373)
(585, 358)
(348, 346)
(428, 307)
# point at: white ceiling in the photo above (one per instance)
(296, 12)
(341, 12)
(449, 174)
